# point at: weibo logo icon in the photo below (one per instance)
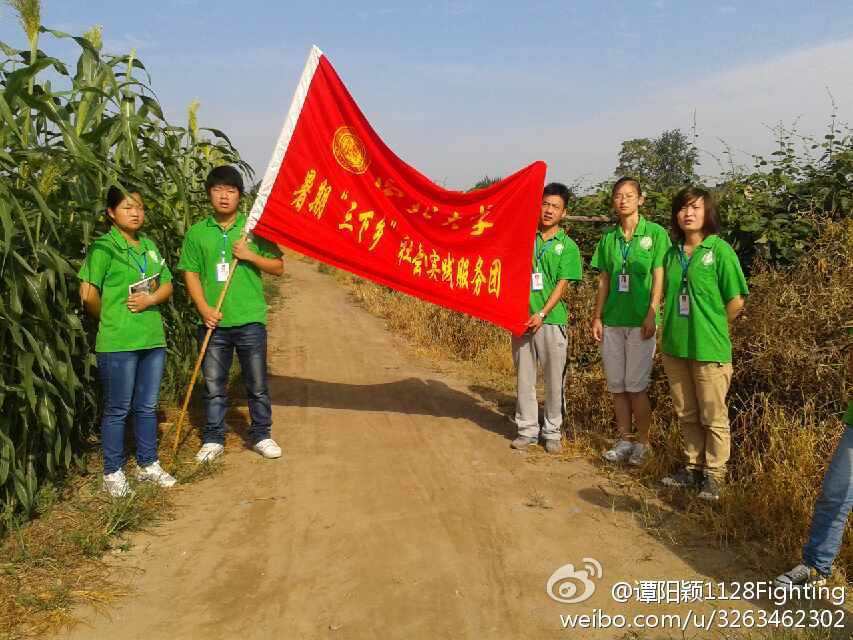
(569, 585)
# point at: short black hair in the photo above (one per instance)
(711, 223)
(224, 175)
(626, 180)
(558, 189)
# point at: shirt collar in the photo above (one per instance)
(560, 232)
(640, 229)
(709, 241)
(122, 242)
(239, 222)
(116, 236)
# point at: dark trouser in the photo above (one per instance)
(250, 341)
(131, 384)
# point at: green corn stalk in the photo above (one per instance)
(59, 152)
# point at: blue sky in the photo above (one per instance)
(461, 89)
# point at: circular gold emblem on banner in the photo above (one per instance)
(349, 150)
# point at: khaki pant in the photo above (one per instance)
(548, 349)
(699, 397)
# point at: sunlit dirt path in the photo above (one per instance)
(397, 511)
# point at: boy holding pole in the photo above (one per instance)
(210, 249)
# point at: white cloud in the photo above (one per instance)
(738, 106)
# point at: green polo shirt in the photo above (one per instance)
(714, 277)
(848, 415)
(556, 259)
(643, 254)
(207, 244)
(112, 265)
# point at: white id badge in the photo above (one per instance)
(624, 283)
(537, 283)
(222, 270)
(684, 304)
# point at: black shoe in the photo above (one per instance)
(684, 479)
(710, 488)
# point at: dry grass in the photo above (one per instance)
(785, 400)
(60, 559)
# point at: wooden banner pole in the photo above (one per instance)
(183, 414)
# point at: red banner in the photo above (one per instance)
(336, 192)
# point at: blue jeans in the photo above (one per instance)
(832, 508)
(131, 384)
(250, 341)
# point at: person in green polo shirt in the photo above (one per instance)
(704, 291)
(124, 279)
(556, 261)
(832, 508)
(241, 323)
(629, 258)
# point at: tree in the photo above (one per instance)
(485, 181)
(635, 159)
(663, 162)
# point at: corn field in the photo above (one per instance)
(68, 133)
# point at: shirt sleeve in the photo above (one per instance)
(599, 259)
(96, 266)
(264, 247)
(571, 266)
(190, 255)
(662, 245)
(730, 276)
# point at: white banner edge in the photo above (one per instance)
(286, 134)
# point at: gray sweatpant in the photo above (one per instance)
(547, 347)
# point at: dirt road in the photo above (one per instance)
(397, 511)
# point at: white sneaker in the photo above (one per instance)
(116, 485)
(799, 577)
(620, 451)
(209, 452)
(267, 448)
(639, 454)
(154, 473)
